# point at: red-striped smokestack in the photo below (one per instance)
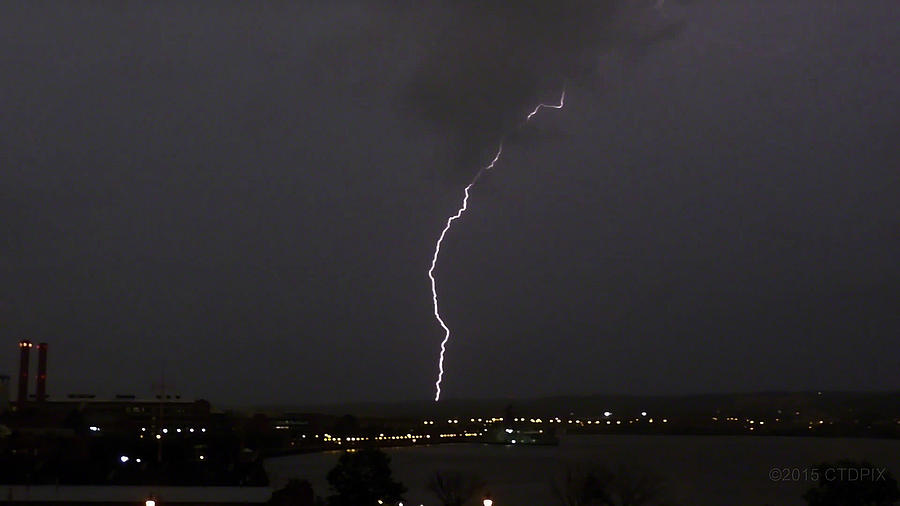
(42, 372)
(24, 359)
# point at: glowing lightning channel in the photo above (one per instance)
(560, 105)
(450, 220)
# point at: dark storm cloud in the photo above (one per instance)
(489, 62)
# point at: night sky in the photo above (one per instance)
(244, 196)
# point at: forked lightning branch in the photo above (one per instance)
(449, 224)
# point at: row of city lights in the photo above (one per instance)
(606, 415)
(456, 421)
(415, 437)
(178, 430)
(762, 422)
(487, 501)
(381, 437)
(94, 428)
(811, 423)
(125, 459)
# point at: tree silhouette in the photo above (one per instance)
(362, 478)
(295, 493)
(454, 488)
(843, 484)
(574, 485)
(598, 485)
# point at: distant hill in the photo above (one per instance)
(886, 404)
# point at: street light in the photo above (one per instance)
(487, 500)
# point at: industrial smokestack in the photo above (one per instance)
(42, 372)
(4, 393)
(24, 359)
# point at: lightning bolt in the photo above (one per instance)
(437, 247)
(560, 105)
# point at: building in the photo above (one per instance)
(81, 449)
(24, 363)
(125, 414)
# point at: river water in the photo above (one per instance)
(698, 470)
